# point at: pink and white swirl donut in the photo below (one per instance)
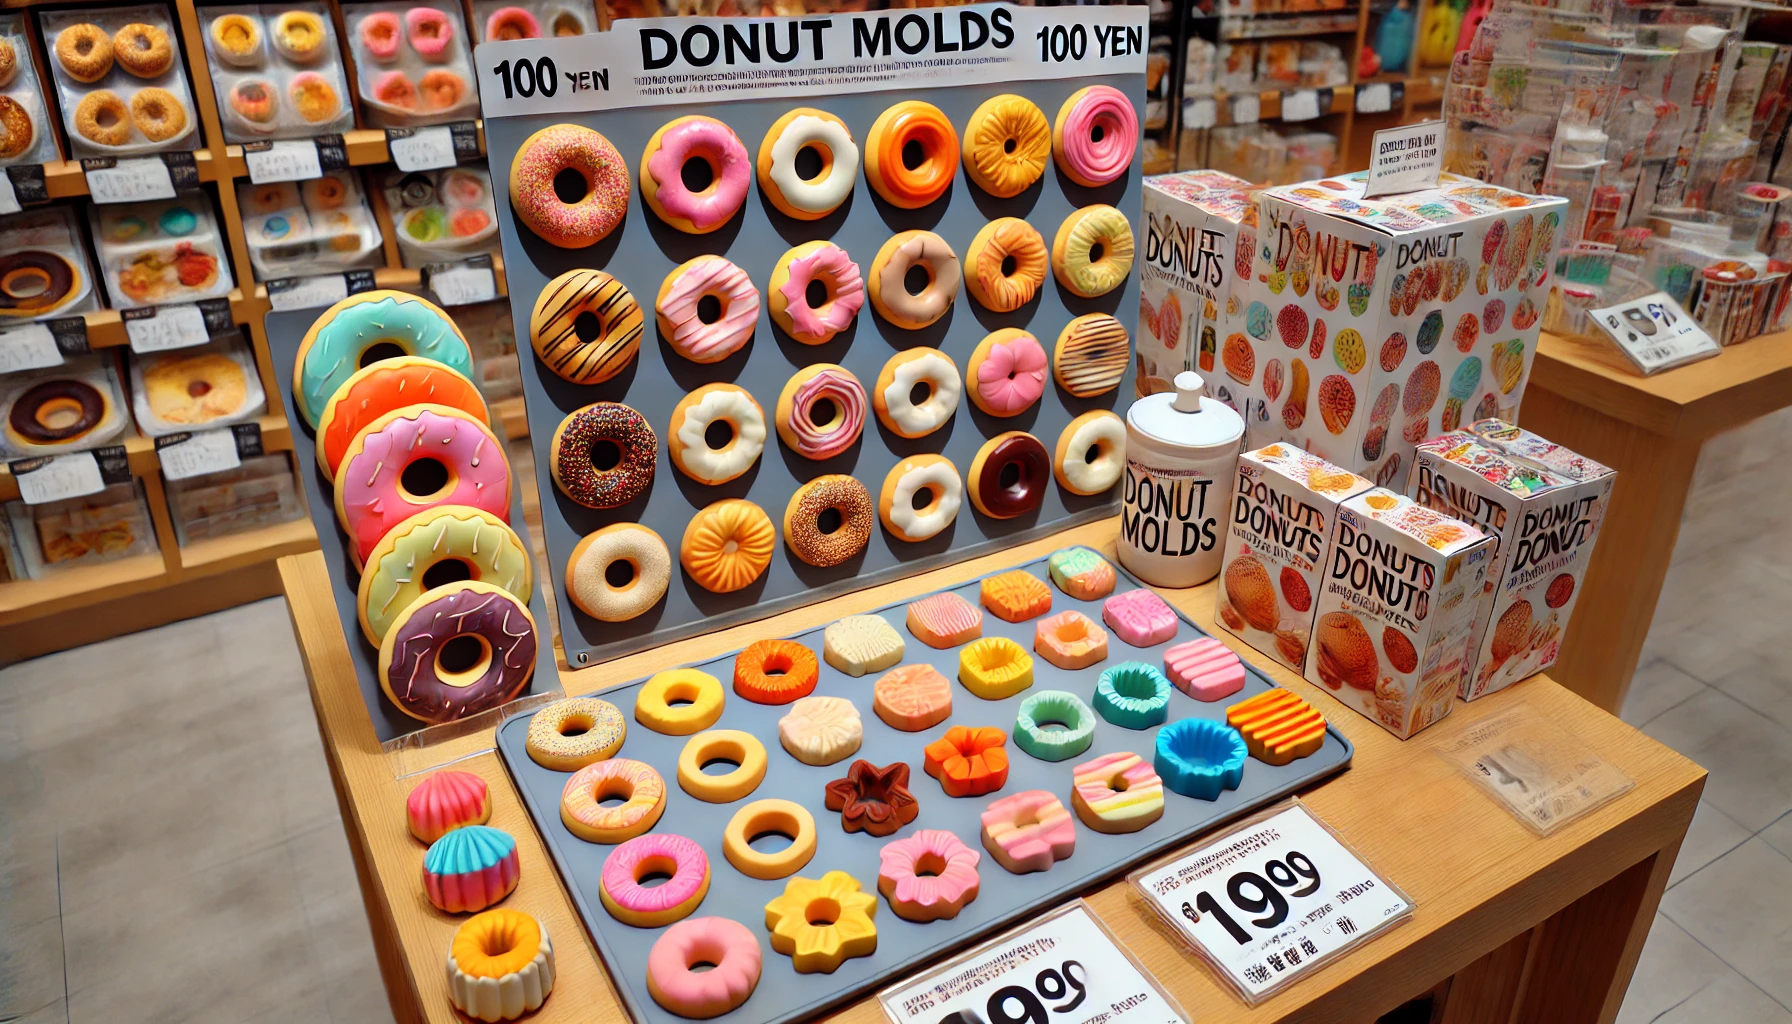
(656, 853)
(371, 492)
(730, 946)
(676, 144)
(950, 883)
(1095, 136)
(840, 279)
(821, 411)
(1007, 372)
(685, 288)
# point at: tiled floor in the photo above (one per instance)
(170, 848)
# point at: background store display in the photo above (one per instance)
(102, 527)
(45, 271)
(24, 116)
(258, 493)
(309, 227)
(209, 385)
(412, 63)
(69, 408)
(161, 252)
(442, 215)
(122, 80)
(277, 71)
(531, 19)
(492, 338)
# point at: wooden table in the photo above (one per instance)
(1584, 395)
(1521, 928)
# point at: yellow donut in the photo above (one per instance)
(1093, 251)
(569, 734)
(743, 748)
(1006, 145)
(642, 790)
(727, 545)
(1007, 261)
(654, 708)
(762, 816)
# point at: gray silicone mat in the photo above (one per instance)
(285, 332)
(643, 250)
(902, 946)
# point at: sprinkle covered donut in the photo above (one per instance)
(630, 902)
(843, 292)
(890, 292)
(341, 336)
(893, 395)
(847, 498)
(821, 411)
(922, 125)
(414, 674)
(557, 326)
(576, 441)
(595, 194)
(1006, 145)
(820, 133)
(592, 572)
(394, 575)
(569, 734)
(1092, 253)
(678, 309)
(1095, 136)
(671, 150)
(1008, 260)
(372, 491)
(383, 387)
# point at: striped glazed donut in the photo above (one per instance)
(553, 326)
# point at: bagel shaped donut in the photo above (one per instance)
(84, 51)
(36, 417)
(511, 23)
(671, 149)
(991, 281)
(893, 394)
(300, 36)
(848, 498)
(711, 404)
(818, 132)
(1092, 253)
(588, 571)
(34, 282)
(905, 130)
(340, 338)
(806, 391)
(1091, 453)
(933, 476)
(412, 672)
(429, 32)
(569, 223)
(372, 495)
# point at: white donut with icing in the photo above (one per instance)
(1101, 433)
(893, 395)
(938, 478)
(696, 413)
(828, 137)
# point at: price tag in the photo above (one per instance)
(1654, 333)
(128, 180)
(1374, 98)
(28, 347)
(1271, 900)
(421, 149)
(59, 477)
(70, 333)
(27, 184)
(294, 160)
(9, 199)
(461, 284)
(1065, 968)
(1405, 158)
(1247, 108)
(1201, 112)
(195, 454)
(1302, 105)
(305, 292)
(159, 328)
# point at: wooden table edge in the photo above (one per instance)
(1744, 381)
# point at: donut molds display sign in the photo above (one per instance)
(971, 727)
(1199, 230)
(1375, 323)
(630, 84)
(1403, 588)
(121, 106)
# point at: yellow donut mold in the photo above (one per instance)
(743, 748)
(1006, 145)
(1092, 253)
(396, 570)
(995, 667)
(654, 708)
(822, 923)
(762, 816)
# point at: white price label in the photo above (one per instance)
(426, 150)
(1300, 106)
(305, 292)
(1405, 159)
(65, 476)
(170, 327)
(284, 161)
(28, 347)
(463, 285)
(208, 451)
(1654, 333)
(1062, 969)
(1247, 108)
(1270, 900)
(1202, 112)
(130, 181)
(1374, 98)
(9, 199)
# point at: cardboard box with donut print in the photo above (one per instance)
(1373, 324)
(1200, 228)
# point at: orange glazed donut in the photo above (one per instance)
(775, 671)
(906, 131)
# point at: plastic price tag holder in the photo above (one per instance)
(461, 284)
(159, 328)
(71, 335)
(1654, 333)
(1405, 159)
(28, 347)
(291, 160)
(305, 292)
(27, 184)
(1301, 105)
(1247, 108)
(421, 149)
(1201, 112)
(1374, 98)
(128, 180)
(1537, 770)
(195, 454)
(1270, 900)
(58, 477)
(1064, 968)
(9, 199)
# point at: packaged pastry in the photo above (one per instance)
(61, 409)
(412, 63)
(311, 227)
(45, 271)
(258, 493)
(25, 133)
(491, 336)
(277, 71)
(208, 385)
(162, 251)
(1200, 227)
(498, 20)
(100, 527)
(121, 81)
(442, 215)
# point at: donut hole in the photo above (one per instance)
(709, 309)
(829, 521)
(929, 865)
(619, 574)
(576, 725)
(107, 116)
(498, 941)
(587, 327)
(824, 413)
(697, 175)
(26, 283)
(463, 660)
(1010, 145)
(1092, 454)
(378, 351)
(1009, 266)
(700, 967)
(1096, 251)
(605, 455)
(1096, 132)
(425, 479)
(923, 499)
(1051, 726)
(198, 389)
(809, 163)
(776, 665)
(816, 294)
(570, 186)
(920, 393)
(913, 154)
(771, 841)
(613, 792)
(446, 571)
(822, 912)
(1026, 816)
(1009, 478)
(1117, 783)
(718, 435)
(58, 414)
(916, 280)
(721, 766)
(654, 872)
(1136, 685)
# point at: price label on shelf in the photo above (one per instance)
(461, 284)
(1065, 968)
(421, 149)
(159, 328)
(58, 477)
(291, 160)
(27, 184)
(305, 292)
(1271, 900)
(1654, 333)
(9, 198)
(28, 347)
(1374, 98)
(70, 333)
(1300, 105)
(128, 180)
(199, 453)
(1247, 108)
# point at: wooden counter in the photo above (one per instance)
(1528, 928)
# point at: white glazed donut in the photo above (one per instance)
(587, 571)
(696, 413)
(933, 474)
(825, 134)
(893, 396)
(1100, 432)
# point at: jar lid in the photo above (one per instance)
(1186, 417)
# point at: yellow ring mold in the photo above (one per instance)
(655, 710)
(743, 748)
(995, 667)
(763, 816)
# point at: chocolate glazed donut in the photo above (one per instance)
(30, 409)
(52, 275)
(1022, 451)
(412, 673)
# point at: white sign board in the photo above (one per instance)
(65, 476)
(1405, 159)
(171, 327)
(130, 181)
(425, 150)
(28, 347)
(1654, 333)
(292, 160)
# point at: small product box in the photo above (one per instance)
(1284, 508)
(1397, 609)
(1199, 228)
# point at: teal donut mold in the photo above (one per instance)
(468, 849)
(335, 351)
(1066, 709)
(1200, 758)
(1133, 695)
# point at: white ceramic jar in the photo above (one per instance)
(1181, 452)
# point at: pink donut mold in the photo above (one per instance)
(691, 337)
(379, 35)
(828, 263)
(630, 902)
(1205, 669)
(1097, 162)
(368, 498)
(445, 801)
(1048, 835)
(1011, 376)
(429, 31)
(470, 868)
(843, 391)
(531, 28)
(709, 140)
(1139, 617)
(727, 944)
(951, 881)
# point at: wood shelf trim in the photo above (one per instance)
(64, 178)
(105, 327)
(366, 147)
(1741, 383)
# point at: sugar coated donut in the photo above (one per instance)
(1070, 640)
(873, 800)
(679, 309)
(845, 929)
(1006, 144)
(729, 948)
(500, 966)
(995, 667)
(713, 405)
(760, 817)
(821, 411)
(817, 132)
(630, 902)
(742, 749)
(512, 23)
(843, 292)
(932, 481)
(1140, 618)
(893, 396)
(441, 89)
(394, 573)
(414, 673)
(1200, 758)
(84, 51)
(821, 730)
(470, 868)
(158, 114)
(236, 39)
(700, 694)
(1116, 793)
(1015, 596)
(560, 337)
(727, 545)
(340, 338)
(1092, 354)
(1058, 707)
(312, 96)
(944, 620)
(1092, 253)
(143, 50)
(17, 129)
(1028, 831)
(642, 790)
(1008, 261)
(1091, 453)
(429, 32)
(300, 36)
(560, 153)
(372, 493)
(890, 285)
(775, 671)
(1133, 695)
(445, 801)
(380, 32)
(949, 883)
(911, 155)
(968, 761)
(103, 118)
(1096, 135)
(379, 388)
(1007, 371)
(1081, 573)
(671, 150)
(858, 644)
(912, 697)
(569, 734)
(588, 434)
(618, 572)
(1000, 500)
(9, 63)
(804, 533)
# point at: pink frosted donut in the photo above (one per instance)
(1007, 372)
(379, 35)
(662, 174)
(512, 23)
(950, 882)
(579, 222)
(372, 494)
(806, 390)
(840, 279)
(444, 801)
(685, 288)
(429, 31)
(470, 869)
(1096, 135)
(630, 902)
(727, 944)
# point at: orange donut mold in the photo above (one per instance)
(1016, 596)
(775, 672)
(923, 125)
(968, 761)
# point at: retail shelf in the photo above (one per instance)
(401, 278)
(219, 554)
(140, 453)
(64, 178)
(366, 146)
(1273, 27)
(1269, 104)
(511, 413)
(24, 599)
(105, 329)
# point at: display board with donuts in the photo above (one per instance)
(889, 330)
(941, 768)
(123, 84)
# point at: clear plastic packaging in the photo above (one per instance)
(61, 409)
(209, 385)
(531, 19)
(45, 271)
(117, 112)
(163, 251)
(412, 63)
(258, 493)
(442, 215)
(102, 527)
(32, 141)
(277, 71)
(313, 227)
